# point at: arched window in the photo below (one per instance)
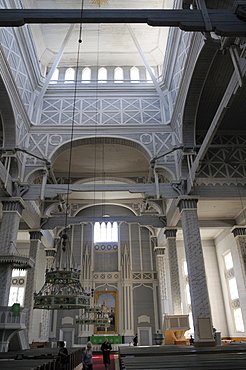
(148, 78)
(118, 75)
(69, 75)
(86, 75)
(105, 232)
(134, 75)
(54, 77)
(102, 75)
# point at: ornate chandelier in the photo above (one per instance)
(62, 289)
(94, 316)
(99, 2)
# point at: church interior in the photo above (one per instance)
(123, 172)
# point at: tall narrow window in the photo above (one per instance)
(118, 75)
(102, 75)
(105, 232)
(148, 77)
(54, 77)
(17, 289)
(69, 75)
(188, 300)
(86, 75)
(233, 292)
(134, 75)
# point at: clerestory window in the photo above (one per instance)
(69, 75)
(55, 77)
(86, 75)
(105, 232)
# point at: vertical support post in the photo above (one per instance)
(174, 269)
(35, 240)
(201, 310)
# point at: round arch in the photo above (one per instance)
(7, 117)
(101, 140)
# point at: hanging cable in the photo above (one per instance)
(73, 112)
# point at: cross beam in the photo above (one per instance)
(223, 22)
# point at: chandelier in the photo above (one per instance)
(99, 2)
(62, 289)
(97, 316)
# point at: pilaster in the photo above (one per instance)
(201, 311)
(174, 269)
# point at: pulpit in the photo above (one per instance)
(174, 328)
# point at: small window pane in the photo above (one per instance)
(187, 288)
(228, 261)
(134, 73)
(233, 288)
(54, 77)
(118, 75)
(149, 79)
(97, 232)
(238, 319)
(86, 76)
(102, 75)
(115, 232)
(103, 232)
(69, 75)
(185, 268)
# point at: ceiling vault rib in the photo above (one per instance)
(54, 66)
(147, 66)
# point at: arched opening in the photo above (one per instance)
(69, 75)
(134, 75)
(118, 75)
(102, 75)
(86, 75)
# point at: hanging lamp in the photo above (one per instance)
(62, 289)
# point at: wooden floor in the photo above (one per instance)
(183, 357)
(232, 356)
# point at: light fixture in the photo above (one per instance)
(62, 289)
(99, 2)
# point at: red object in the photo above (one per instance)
(98, 362)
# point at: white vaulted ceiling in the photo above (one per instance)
(103, 44)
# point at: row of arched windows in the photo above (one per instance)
(102, 75)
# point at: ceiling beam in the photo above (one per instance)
(51, 191)
(223, 22)
(52, 222)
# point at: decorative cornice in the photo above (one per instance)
(238, 231)
(170, 232)
(35, 235)
(187, 203)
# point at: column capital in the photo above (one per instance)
(187, 203)
(35, 234)
(238, 231)
(160, 251)
(13, 205)
(170, 232)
